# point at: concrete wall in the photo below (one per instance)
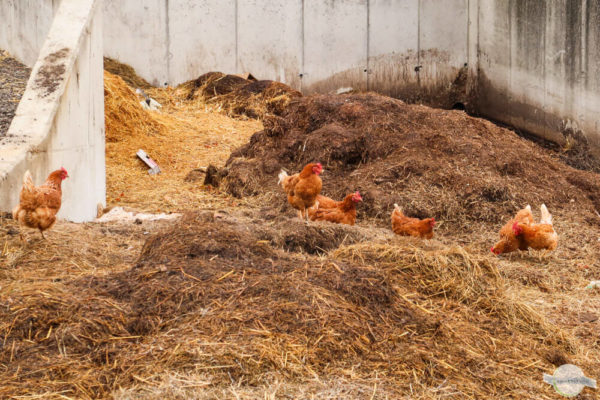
(60, 119)
(27, 23)
(539, 63)
(529, 63)
(312, 45)
(135, 32)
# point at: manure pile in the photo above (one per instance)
(220, 297)
(239, 96)
(13, 80)
(433, 162)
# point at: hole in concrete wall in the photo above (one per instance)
(458, 106)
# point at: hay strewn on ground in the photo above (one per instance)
(249, 302)
(179, 137)
(126, 72)
(217, 301)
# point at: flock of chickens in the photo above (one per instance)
(303, 192)
(38, 207)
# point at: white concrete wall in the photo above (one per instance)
(27, 23)
(201, 36)
(269, 39)
(393, 45)
(539, 64)
(135, 32)
(335, 45)
(312, 45)
(60, 119)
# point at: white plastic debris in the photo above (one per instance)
(593, 284)
(148, 103)
(118, 214)
(343, 90)
(154, 168)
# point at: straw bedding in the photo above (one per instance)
(237, 96)
(180, 137)
(246, 301)
(219, 295)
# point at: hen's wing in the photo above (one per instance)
(288, 182)
(32, 197)
(334, 215)
(326, 202)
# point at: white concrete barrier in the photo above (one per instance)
(60, 119)
(397, 47)
(539, 67)
(24, 25)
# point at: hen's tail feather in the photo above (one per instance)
(28, 181)
(546, 216)
(282, 175)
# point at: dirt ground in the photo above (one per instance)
(239, 299)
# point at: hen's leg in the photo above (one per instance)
(42, 232)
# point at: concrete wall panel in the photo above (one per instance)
(494, 59)
(77, 139)
(527, 64)
(135, 33)
(393, 44)
(563, 83)
(538, 66)
(270, 39)
(335, 45)
(60, 119)
(202, 38)
(443, 48)
(24, 26)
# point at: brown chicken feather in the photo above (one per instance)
(302, 188)
(405, 226)
(508, 240)
(38, 205)
(342, 212)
